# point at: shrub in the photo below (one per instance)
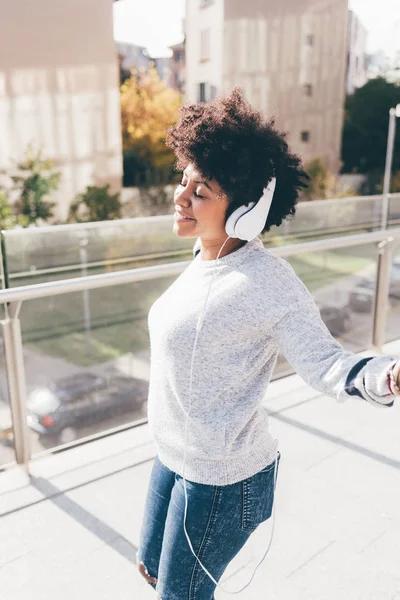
(95, 204)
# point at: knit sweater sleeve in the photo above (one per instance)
(323, 363)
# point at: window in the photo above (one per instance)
(204, 44)
(206, 92)
(308, 89)
(202, 92)
(310, 40)
(305, 136)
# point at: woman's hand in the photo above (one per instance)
(394, 378)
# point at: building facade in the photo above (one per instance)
(289, 57)
(170, 68)
(357, 57)
(133, 56)
(178, 67)
(163, 65)
(59, 91)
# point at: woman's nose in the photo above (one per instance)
(181, 196)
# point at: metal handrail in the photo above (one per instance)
(13, 298)
(78, 284)
(17, 232)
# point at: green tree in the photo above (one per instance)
(95, 204)
(8, 220)
(366, 127)
(35, 179)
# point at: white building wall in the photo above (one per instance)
(59, 90)
(357, 62)
(275, 51)
(201, 17)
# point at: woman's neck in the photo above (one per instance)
(210, 249)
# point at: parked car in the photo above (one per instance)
(337, 319)
(60, 408)
(361, 298)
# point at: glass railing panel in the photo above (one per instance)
(87, 361)
(328, 218)
(394, 210)
(7, 454)
(80, 249)
(101, 338)
(342, 282)
(65, 251)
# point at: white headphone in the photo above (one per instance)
(245, 223)
(248, 221)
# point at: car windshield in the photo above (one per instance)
(68, 387)
(42, 402)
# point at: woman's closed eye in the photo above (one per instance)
(183, 184)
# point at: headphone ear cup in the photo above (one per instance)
(233, 219)
(247, 222)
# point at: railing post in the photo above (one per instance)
(381, 300)
(388, 168)
(13, 350)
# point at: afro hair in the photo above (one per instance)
(230, 142)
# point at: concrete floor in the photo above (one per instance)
(71, 529)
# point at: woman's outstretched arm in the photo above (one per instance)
(324, 364)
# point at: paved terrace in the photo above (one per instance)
(72, 529)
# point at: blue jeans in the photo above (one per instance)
(220, 519)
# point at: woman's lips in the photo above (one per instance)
(179, 217)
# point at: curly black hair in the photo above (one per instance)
(230, 142)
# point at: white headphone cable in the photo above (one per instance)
(199, 325)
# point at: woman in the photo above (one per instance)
(255, 307)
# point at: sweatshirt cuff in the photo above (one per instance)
(375, 381)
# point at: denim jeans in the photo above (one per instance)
(220, 519)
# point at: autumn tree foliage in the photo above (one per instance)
(148, 109)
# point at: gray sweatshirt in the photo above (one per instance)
(257, 306)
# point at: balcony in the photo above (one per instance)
(71, 514)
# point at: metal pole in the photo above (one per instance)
(388, 167)
(14, 356)
(381, 301)
(85, 293)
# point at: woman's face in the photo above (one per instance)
(204, 202)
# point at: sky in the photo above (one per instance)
(157, 24)
(380, 18)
